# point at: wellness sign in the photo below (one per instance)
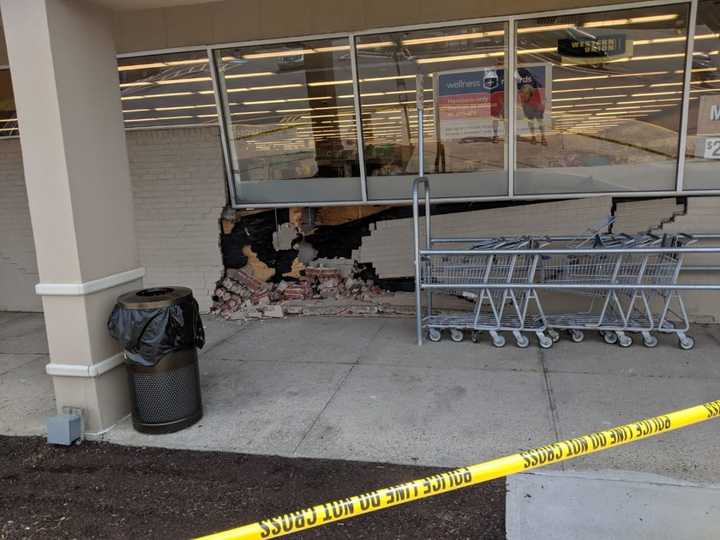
(471, 103)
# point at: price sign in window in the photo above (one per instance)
(712, 148)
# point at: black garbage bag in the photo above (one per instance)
(149, 334)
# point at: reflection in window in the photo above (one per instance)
(702, 158)
(599, 101)
(8, 116)
(460, 73)
(167, 90)
(291, 121)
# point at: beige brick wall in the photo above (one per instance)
(179, 192)
(18, 267)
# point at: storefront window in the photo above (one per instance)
(599, 100)
(167, 90)
(598, 108)
(291, 121)
(460, 73)
(702, 157)
(8, 116)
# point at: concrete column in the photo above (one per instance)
(64, 72)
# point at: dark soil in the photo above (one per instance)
(99, 490)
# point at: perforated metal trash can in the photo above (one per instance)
(165, 397)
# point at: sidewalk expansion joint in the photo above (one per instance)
(327, 404)
(551, 399)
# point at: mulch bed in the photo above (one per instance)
(99, 490)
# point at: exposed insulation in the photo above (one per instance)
(295, 271)
(256, 267)
(337, 215)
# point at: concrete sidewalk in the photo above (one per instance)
(360, 389)
(26, 392)
(556, 505)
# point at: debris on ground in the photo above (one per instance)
(325, 287)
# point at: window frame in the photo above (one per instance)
(511, 46)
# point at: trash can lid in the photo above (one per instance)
(155, 297)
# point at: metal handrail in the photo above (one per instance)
(579, 286)
(425, 182)
(571, 251)
(568, 238)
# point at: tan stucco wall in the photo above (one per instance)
(234, 20)
(231, 20)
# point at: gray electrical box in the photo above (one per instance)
(64, 429)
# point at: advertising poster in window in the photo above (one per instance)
(708, 128)
(471, 102)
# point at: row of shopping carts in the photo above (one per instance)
(618, 284)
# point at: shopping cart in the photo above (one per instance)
(629, 281)
(510, 308)
(621, 287)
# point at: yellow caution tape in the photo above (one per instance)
(463, 477)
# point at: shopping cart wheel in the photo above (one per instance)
(650, 341)
(624, 340)
(456, 335)
(498, 340)
(522, 341)
(554, 335)
(577, 336)
(609, 337)
(686, 343)
(545, 342)
(475, 336)
(434, 334)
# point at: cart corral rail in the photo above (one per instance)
(631, 282)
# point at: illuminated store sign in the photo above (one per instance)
(594, 50)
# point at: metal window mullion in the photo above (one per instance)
(223, 113)
(685, 107)
(358, 118)
(510, 112)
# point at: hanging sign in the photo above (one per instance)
(594, 50)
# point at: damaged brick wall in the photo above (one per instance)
(351, 260)
(294, 261)
(179, 193)
(302, 260)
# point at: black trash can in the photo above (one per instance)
(160, 329)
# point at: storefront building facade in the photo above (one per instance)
(286, 104)
(604, 100)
